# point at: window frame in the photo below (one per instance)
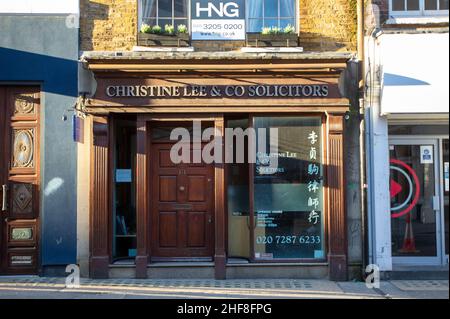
(173, 18)
(188, 16)
(417, 13)
(279, 18)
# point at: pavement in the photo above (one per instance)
(33, 287)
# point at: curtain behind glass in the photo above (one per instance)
(287, 8)
(255, 15)
(148, 11)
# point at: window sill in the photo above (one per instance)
(272, 50)
(418, 20)
(162, 49)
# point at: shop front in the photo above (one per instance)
(229, 167)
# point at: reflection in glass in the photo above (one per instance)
(269, 14)
(124, 225)
(413, 5)
(413, 234)
(238, 197)
(288, 204)
(398, 5)
(431, 4)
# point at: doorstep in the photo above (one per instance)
(416, 273)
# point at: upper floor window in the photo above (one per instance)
(418, 7)
(164, 12)
(270, 14)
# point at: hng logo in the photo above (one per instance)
(229, 9)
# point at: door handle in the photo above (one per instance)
(4, 198)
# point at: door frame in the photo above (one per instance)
(445, 258)
(440, 234)
(211, 205)
(144, 191)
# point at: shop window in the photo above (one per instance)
(276, 200)
(288, 197)
(124, 217)
(164, 12)
(418, 7)
(270, 14)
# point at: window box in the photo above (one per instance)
(163, 40)
(272, 40)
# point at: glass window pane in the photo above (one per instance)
(413, 5)
(413, 219)
(285, 22)
(270, 8)
(288, 189)
(124, 243)
(431, 4)
(254, 25)
(270, 23)
(255, 9)
(398, 5)
(287, 8)
(181, 21)
(150, 22)
(238, 196)
(162, 22)
(148, 9)
(443, 4)
(180, 8)
(165, 8)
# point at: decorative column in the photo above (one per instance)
(337, 246)
(142, 197)
(100, 199)
(220, 257)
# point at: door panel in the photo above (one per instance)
(182, 212)
(19, 173)
(414, 193)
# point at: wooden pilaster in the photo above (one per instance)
(220, 257)
(337, 251)
(99, 199)
(142, 197)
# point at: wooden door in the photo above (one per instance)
(182, 207)
(19, 178)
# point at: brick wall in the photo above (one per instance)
(108, 25)
(325, 25)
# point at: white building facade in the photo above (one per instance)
(407, 133)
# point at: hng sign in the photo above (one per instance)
(229, 9)
(218, 19)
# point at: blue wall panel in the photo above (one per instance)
(43, 50)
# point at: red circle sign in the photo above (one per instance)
(417, 188)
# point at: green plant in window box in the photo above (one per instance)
(145, 28)
(273, 37)
(169, 29)
(182, 29)
(155, 36)
(156, 30)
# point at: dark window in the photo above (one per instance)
(164, 12)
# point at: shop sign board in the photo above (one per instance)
(218, 20)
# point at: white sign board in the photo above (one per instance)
(426, 154)
(218, 20)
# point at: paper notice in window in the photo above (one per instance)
(446, 176)
(123, 175)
